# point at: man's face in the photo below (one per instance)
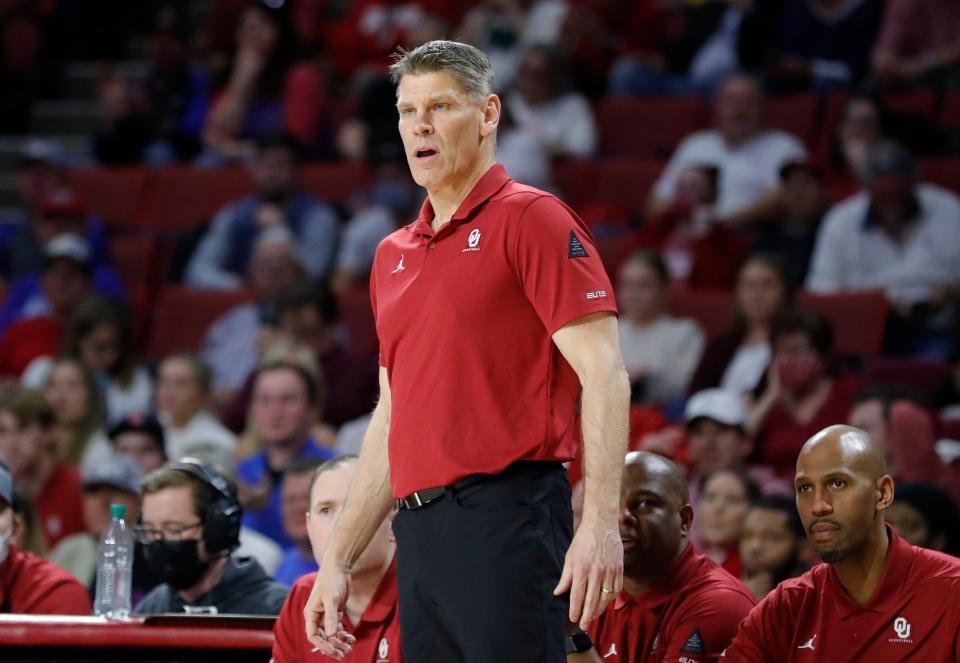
(911, 525)
(96, 506)
(21, 448)
(274, 269)
(837, 502)
(639, 289)
(178, 391)
(891, 197)
(739, 109)
(442, 130)
(281, 408)
(869, 416)
(535, 79)
(759, 292)
(326, 500)
(307, 327)
(275, 173)
(804, 196)
(142, 448)
(172, 508)
(715, 446)
(653, 526)
(767, 542)
(64, 283)
(296, 502)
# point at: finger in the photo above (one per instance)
(565, 577)
(578, 590)
(331, 619)
(591, 597)
(609, 582)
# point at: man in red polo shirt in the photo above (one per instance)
(498, 349)
(30, 585)
(676, 604)
(876, 598)
(370, 616)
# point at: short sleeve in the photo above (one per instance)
(558, 265)
(702, 633)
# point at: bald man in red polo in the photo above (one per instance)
(499, 348)
(876, 598)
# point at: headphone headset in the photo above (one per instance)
(221, 522)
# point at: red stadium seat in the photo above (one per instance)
(574, 179)
(183, 197)
(334, 182)
(858, 319)
(950, 112)
(942, 172)
(795, 114)
(182, 315)
(643, 128)
(356, 315)
(922, 103)
(925, 376)
(134, 259)
(712, 309)
(114, 194)
(625, 183)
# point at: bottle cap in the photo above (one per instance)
(117, 511)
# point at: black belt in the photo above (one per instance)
(423, 497)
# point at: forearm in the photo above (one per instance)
(369, 499)
(227, 117)
(605, 418)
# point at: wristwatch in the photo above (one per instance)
(579, 642)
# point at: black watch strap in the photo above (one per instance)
(579, 642)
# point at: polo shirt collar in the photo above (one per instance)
(490, 183)
(384, 600)
(892, 580)
(681, 571)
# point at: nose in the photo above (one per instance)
(627, 517)
(822, 506)
(422, 126)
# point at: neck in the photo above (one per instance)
(447, 199)
(32, 479)
(279, 455)
(363, 586)
(638, 583)
(207, 582)
(757, 332)
(860, 572)
(183, 418)
(645, 318)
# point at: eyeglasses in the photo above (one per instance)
(147, 535)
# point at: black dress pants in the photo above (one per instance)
(476, 569)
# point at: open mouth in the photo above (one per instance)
(425, 153)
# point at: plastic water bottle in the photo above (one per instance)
(114, 567)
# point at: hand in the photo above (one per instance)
(324, 610)
(255, 496)
(593, 563)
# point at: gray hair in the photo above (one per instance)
(467, 64)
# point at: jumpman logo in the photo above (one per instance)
(399, 267)
(808, 644)
(612, 652)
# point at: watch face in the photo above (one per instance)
(581, 642)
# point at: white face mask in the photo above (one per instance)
(5, 545)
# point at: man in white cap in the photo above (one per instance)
(28, 584)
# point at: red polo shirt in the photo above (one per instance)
(687, 617)
(377, 634)
(913, 615)
(33, 586)
(60, 504)
(465, 317)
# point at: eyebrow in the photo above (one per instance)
(442, 96)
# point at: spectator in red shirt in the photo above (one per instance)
(28, 584)
(28, 445)
(371, 614)
(772, 546)
(676, 604)
(876, 598)
(801, 395)
(725, 498)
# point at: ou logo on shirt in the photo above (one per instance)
(383, 650)
(901, 627)
(474, 239)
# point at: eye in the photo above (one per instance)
(805, 488)
(440, 107)
(324, 510)
(838, 483)
(406, 111)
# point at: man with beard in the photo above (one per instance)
(676, 604)
(190, 523)
(876, 597)
(222, 258)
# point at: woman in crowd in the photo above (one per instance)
(801, 396)
(660, 351)
(772, 544)
(725, 498)
(72, 393)
(858, 127)
(737, 360)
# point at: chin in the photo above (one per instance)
(831, 556)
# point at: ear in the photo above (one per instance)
(686, 519)
(885, 492)
(491, 116)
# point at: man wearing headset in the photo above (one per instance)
(190, 524)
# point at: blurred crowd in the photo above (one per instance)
(772, 230)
